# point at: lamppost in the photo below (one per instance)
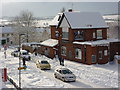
(20, 61)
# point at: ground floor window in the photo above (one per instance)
(78, 53)
(105, 52)
(100, 54)
(63, 50)
(93, 58)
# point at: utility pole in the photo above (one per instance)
(20, 61)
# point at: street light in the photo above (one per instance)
(20, 60)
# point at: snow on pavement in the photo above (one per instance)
(88, 76)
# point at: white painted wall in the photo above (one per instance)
(64, 23)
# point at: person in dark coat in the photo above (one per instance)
(24, 61)
(62, 60)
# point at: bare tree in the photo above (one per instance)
(24, 23)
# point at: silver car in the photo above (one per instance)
(64, 74)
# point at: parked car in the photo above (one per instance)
(64, 74)
(43, 64)
(15, 53)
(25, 54)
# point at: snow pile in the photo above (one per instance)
(98, 42)
(50, 42)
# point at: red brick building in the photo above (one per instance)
(80, 37)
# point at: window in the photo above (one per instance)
(65, 33)
(79, 35)
(78, 53)
(56, 33)
(99, 34)
(94, 35)
(3, 35)
(63, 50)
(100, 54)
(93, 58)
(105, 53)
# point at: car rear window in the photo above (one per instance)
(25, 53)
(67, 71)
(44, 62)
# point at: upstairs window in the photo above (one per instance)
(64, 33)
(79, 35)
(99, 34)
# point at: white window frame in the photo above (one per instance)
(94, 35)
(65, 50)
(99, 34)
(79, 56)
(105, 52)
(65, 30)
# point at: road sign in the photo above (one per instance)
(20, 68)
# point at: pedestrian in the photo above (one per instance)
(24, 63)
(62, 60)
(35, 53)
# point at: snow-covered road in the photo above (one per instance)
(88, 76)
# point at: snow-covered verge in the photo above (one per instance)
(88, 76)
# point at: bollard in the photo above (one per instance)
(5, 75)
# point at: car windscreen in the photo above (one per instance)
(24, 53)
(44, 62)
(67, 71)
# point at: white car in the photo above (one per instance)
(24, 54)
(64, 74)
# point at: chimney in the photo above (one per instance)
(70, 10)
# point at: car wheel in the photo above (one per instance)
(63, 79)
(29, 58)
(55, 75)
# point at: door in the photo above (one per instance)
(70, 54)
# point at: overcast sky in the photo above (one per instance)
(46, 9)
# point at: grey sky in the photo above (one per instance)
(46, 9)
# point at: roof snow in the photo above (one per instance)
(98, 42)
(85, 20)
(6, 30)
(50, 42)
(56, 19)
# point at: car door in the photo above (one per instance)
(60, 74)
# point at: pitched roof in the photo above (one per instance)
(78, 20)
(50, 42)
(56, 19)
(6, 30)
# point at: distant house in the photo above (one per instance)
(6, 34)
(112, 22)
